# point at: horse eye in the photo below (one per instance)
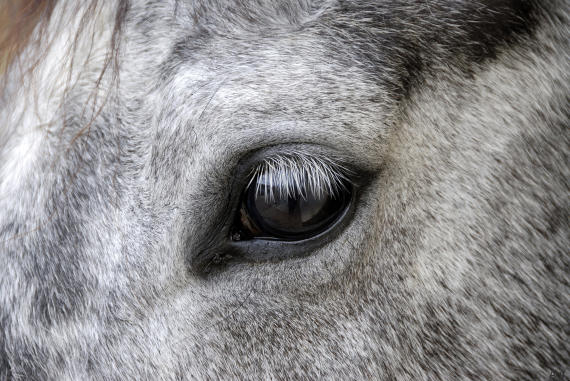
(269, 212)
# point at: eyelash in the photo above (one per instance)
(296, 174)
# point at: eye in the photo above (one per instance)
(292, 198)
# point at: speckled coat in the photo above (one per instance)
(123, 133)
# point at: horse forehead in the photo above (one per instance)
(260, 89)
(288, 57)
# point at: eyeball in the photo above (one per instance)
(289, 203)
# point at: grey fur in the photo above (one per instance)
(453, 266)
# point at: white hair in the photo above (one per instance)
(298, 175)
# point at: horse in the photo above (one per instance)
(284, 189)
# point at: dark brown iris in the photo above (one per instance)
(267, 213)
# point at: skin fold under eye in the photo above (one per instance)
(292, 198)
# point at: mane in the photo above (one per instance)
(26, 26)
(19, 18)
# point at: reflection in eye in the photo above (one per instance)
(292, 198)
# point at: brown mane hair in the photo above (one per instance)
(19, 18)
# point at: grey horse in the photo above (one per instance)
(285, 189)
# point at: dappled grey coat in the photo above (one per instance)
(130, 129)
